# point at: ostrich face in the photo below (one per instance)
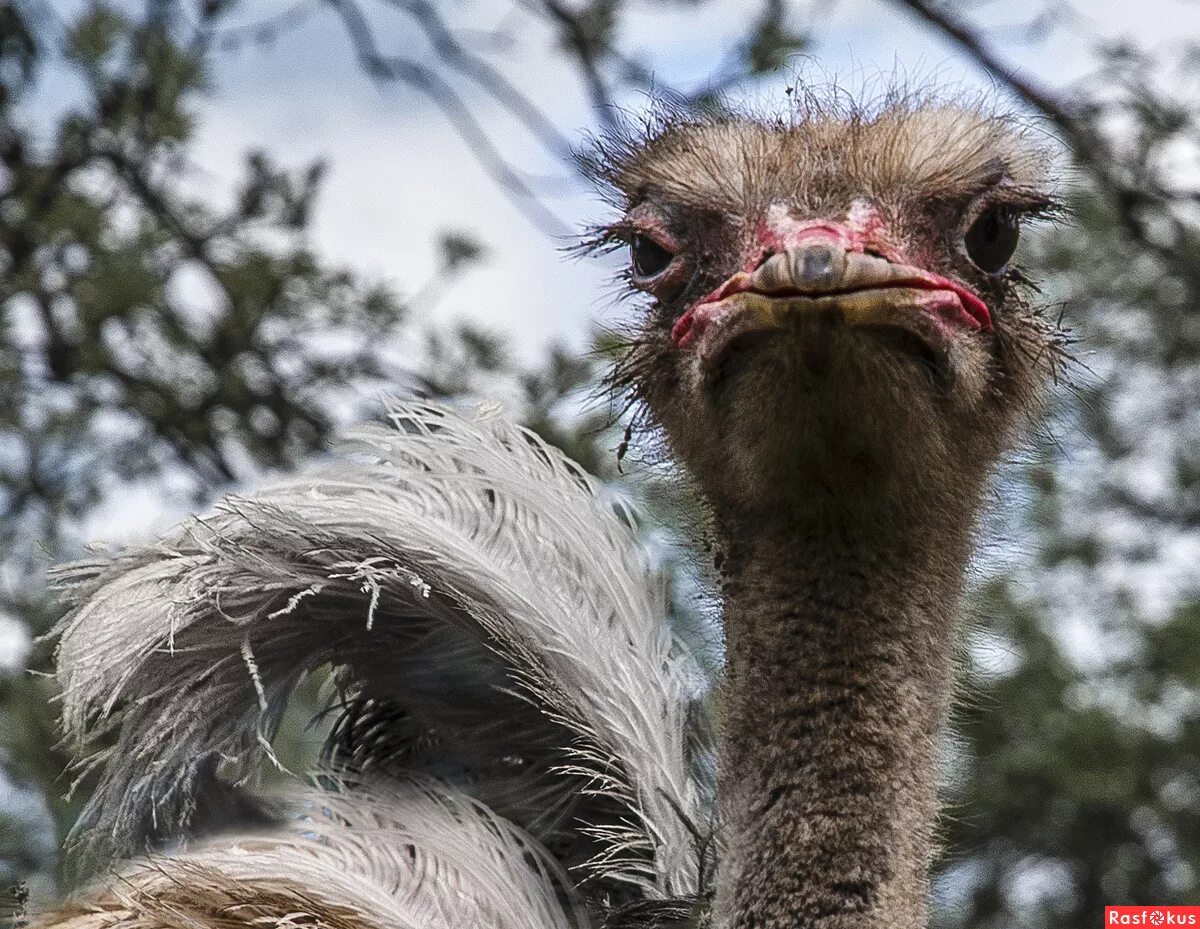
(831, 300)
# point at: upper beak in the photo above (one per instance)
(866, 289)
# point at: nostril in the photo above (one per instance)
(766, 256)
(816, 264)
(819, 265)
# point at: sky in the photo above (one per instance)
(399, 174)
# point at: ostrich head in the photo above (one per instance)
(834, 319)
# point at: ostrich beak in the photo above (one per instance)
(825, 278)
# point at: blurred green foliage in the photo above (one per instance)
(153, 338)
(1080, 775)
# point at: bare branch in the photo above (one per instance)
(1057, 111)
(395, 68)
(1090, 149)
(490, 79)
(584, 47)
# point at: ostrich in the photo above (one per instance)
(837, 350)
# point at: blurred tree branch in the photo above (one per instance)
(1135, 196)
(586, 39)
(395, 68)
(488, 78)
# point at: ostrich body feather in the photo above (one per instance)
(494, 628)
(405, 855)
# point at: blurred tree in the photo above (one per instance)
(1078, 781)
(152, 339)
(156, 344)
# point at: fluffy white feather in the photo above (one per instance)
(465, 577)
(408, 855)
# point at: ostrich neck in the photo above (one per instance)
(839, 650)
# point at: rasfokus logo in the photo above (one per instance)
(1153, 916)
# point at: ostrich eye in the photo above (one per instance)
(649, 258)
(992, 239)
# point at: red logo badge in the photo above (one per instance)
(1152, 916)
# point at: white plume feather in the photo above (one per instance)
(463, 575)
(409, 855)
